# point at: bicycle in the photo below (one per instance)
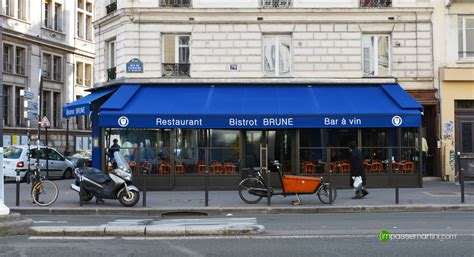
(45, 192)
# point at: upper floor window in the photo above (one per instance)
(466, 36)
(14, 8)
(276, 3)
(111, 7)
(111, 60)
(84, 20)
(376, 55)
(52, 15)
(83, 74)
(14, 59)
(52, 66)
(176, 55)
(375, 3)
(277, 55)
(175, 3)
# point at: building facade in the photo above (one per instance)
(56, 37)
(253, 42)
(455, 72)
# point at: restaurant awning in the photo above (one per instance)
(260, 106)
(82, 105)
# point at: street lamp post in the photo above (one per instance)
(4, 210)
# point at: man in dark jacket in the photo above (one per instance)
(357, 169)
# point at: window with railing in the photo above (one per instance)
(6, 104)
(466, 37)
(276, 3)
(375, 3)
(176, 54)
(111, 60)
(112, 7)
(52, 66)
(175, 3)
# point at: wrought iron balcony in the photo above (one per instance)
(111, 7)
(111, 73)
(175, 3)
(276, 3)
(375, 3)
(176, 69)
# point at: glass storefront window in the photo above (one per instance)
(186, 151)
(224, 151)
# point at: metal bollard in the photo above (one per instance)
(206, 188)
(17, 178)
(397, 201)
(144, 189)
(330, 190)
(461, 175)
(81, 189)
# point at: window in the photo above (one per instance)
(47, 66)
(20, 56)
(14, 59)
(466, 37)
(57, 68)
(6, 104)
(18, 107)
(176, 48)
(57, 17)
(277, 55)
(377, 55)
(7, 8)
(111, 54)
(80, 25)
(79, 73)
(88, 27)
(46, 13)
(14, 8)
(56, 122)
(276, 3)
(52, 67)
(176, 55)
(84, 20)
(7, 58)
(88, 75)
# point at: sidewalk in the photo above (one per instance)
(434, 196)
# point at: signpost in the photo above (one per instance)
(46, 124)
(4, 210)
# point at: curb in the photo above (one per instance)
(218, 211)
(14, 224)
(148, 231)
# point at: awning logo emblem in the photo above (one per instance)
(123, 121)
(397, 121)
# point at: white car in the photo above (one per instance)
(15, 158)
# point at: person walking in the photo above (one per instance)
(357, 169)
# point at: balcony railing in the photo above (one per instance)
(20, 70)
(176, 69)
(7, 67)
(175, 3)
(111, 73)
(111, 7)
(276, 3)
(375, 3)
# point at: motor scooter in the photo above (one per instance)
(115, 185)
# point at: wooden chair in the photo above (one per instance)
(164, 168)
(395, 166)
(216, 167)
(145, 166)
(179, 169)
(229, 168)
(408, 167)
(133, 167)
(376, 167)
(345, 168)
(201, 166)
(309, 168)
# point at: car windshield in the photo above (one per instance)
(12, 152)
(121, 162)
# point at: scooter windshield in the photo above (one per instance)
(121, 162)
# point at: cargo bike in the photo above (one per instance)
(253, 187)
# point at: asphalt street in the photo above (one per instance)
(352, 234)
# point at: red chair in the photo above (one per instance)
(164, 168)
(145, 166)
(367, 166)
(229, 168)
(408, 167)
(133, 167)
(216, 167)
(179, 169)
(309, 167)
(345, 168)
(396, 166)
(201, 166)
(376, 167)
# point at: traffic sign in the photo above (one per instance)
(45, 122)
(32, 105)
(26, 94)
(30, 115)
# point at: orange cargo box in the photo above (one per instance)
(300, 184)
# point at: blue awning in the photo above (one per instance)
(82, 105)
(260, 106)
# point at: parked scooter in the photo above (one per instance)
(116, 185)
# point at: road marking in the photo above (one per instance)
(49, 221)
(71, 238)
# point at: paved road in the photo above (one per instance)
(287, 235)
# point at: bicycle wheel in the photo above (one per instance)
(323, 194)
(45, 193)
(244, 190)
